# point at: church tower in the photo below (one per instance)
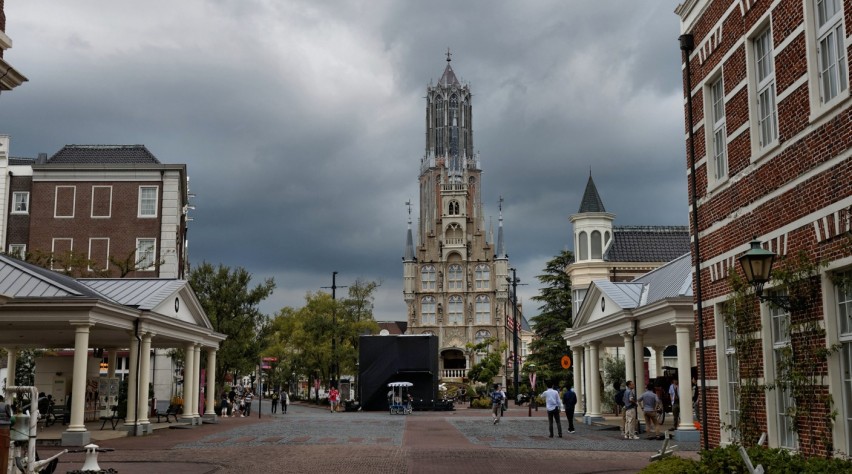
(454, 279)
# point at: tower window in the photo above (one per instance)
(453, 208)
(455, 311)
(427, 310)
(583, 246)
(483, 310)
(482, 276)
(455, 277)
(427, 277)
(597, 248)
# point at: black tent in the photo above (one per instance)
(385, 359)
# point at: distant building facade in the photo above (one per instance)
(11, 78)
(772, 135)
(455, 279)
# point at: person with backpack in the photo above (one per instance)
(630, 411)
(497, 398)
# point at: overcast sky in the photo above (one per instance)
(302, 121)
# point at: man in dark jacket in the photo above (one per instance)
(569, 400)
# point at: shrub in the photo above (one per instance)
(776, 460)
(670, 465)
(480, 403)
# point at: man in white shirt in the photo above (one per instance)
(551, 399)
(674, 396)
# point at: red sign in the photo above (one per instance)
(270, 359)
(566, 362)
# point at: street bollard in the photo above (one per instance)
(91, 463)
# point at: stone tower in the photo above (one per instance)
(454, 279)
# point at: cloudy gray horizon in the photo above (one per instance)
(302, 122)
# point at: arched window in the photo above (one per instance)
(483, 310)
(427, 277)
(606, 238)
(455, 310)
(479, 338)
(455, 277)
(454, 102)
(427, 310)
(597, 248)
(453, 208)
(454, 236)
(482, 277)
(440, 120)
(583, 246)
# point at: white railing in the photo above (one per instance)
(455, 241)
(454, 373)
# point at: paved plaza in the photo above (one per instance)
(311, 439)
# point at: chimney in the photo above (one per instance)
(42, 159)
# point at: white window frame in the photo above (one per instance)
(763, 114)
(455, 277)
(779, 337)
(139, 255)
(53, 250)
(140, 213)
(90, 253)
(482, 277)
(833, 30)
(730, 369)
(716, 134)
(18, 251)
(109, 207)
(427, 310)
(842, 306)
(427, 277)
(578, 295)
(56, 202)
(25, 201)
(455, 310)
(483, 309)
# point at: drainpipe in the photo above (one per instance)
(687, 43)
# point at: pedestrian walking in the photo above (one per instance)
(674, 396)
(496, 402)
(248, 398)
(274, 402)
(552, 402)
(333, 398)
(630, 411)
(569, 401)
(649, 402)
(285, 401)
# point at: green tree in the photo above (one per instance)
(232, 307)
(492, 360)
(357, 320)
(548, 345)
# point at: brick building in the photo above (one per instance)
(116, 206)
(11, 77)
(767, 90)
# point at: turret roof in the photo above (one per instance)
(591, 199)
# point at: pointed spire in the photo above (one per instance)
(409, 239)
(501, 248)
(449, 77)
(591, 199)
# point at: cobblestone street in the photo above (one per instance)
(310, 439)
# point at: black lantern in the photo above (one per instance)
(757, 266)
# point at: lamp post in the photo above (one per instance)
(514, 281)
(334, 369)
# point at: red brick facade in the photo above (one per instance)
(795, 195)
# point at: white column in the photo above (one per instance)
(132, 383)
(578, 379)
(658, 360)
(684, 350)
(594, 376)
(210, 409)
(587, 379)
(144, 378)
(11, 368)
(78, 385)
(196, 383)
(629, 366)
(112, 359)
(188, 377)
(639, 361)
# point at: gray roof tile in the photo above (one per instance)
(648, 244)
(591, 199)
(96, 154)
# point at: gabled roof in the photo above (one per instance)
(19, 279)
(671, 280)
(627, 295)
(144, 294)
(648, 244)
(107, 154)
(591, 199)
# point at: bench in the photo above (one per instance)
(112, 419)
(171, 411)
